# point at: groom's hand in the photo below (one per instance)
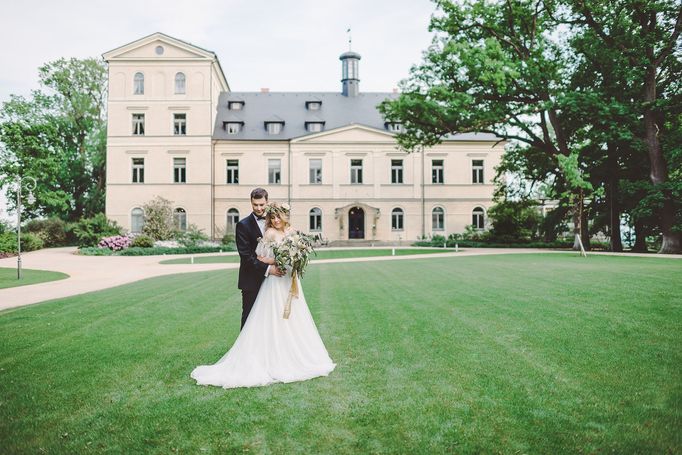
(274, 270)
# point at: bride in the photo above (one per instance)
(270, 348)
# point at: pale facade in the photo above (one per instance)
(347, 182)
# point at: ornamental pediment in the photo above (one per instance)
(348, 134)
(159, 47)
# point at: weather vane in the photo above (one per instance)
(350, 39)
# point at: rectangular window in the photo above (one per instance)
(274, 171)
(437, 171)
(315, 171)
(396, 171)
(356, 171)
(315, 220)
(477, 171)
(138, 170)
(397, 220)
(180, 170)
(138, 124)
(180, 124)
(274, 127)
(233, 127)
(232, 171)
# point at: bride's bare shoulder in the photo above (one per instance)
(270, 234)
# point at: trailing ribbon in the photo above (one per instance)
(293, 292)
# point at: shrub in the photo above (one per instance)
(514, 220)
(51, 230)
(96, 251)
(158, 219)
(30, 241)
(8, 242)
(191, 237)
(115, 243)
(228, 239)
(89, 231)
(142, 241)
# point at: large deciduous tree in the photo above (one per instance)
(58, 136)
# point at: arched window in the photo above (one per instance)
(438, 219)
(180, 84)
(232, 220)
(139, 84)
(136, 220)
(478, 218)
(397, 216)
(180, 218)
(315, 219)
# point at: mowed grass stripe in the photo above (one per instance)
(538, 354)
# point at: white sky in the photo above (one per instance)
(284, 45)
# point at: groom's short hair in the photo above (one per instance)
(259, 193)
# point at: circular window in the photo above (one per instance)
(159, 50)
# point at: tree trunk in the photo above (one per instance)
(585, 234)
(640, 238)
(659, 169)
(580, 224)
(615, 242)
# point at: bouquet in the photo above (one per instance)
(293, 254)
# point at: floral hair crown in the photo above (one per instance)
(274, 209)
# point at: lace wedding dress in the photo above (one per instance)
(270, 348)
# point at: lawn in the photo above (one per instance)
(321, 254)
(8, 277)
(546, 353)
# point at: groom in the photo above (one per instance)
(252, 272)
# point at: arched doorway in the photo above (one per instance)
(356, 223)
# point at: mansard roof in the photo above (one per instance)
(336, 111)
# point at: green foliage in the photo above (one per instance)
(29, 242)
(8, 242)
(143, 241)
(171, 250)
(514, 220)
(89, 231)
(228, 239)
(51, 230)
(191, 237)
(158, 219)
(58, 136)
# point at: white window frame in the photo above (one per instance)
(315, 219)
(274, 171)
(136, 226)
(397, 219)
(397, 171)
(179, 170)
(233, 127)
(437, 172)
(231, 220)
(356, 172)
(314, 127)
(180, 124)
(274, 127)
(138, 124)
(180, 83)
(478, 214)
(315, 172)
(138, 83)
(232, 172)
(138, 170)
(477, 175)
(438, 219)
(180, 218)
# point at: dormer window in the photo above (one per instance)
(394, 127)
(233, 127)
(274, 127)
(313, 105)
(235, 105)
(314, 127)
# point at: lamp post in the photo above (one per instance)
(30, 185)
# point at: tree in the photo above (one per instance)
(58, 136)
(158, 219)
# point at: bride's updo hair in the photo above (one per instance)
(275, 209)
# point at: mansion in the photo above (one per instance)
(177, 130)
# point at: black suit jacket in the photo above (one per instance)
(251, 270)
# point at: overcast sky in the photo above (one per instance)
(280, 44)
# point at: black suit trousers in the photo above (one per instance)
(248, 299)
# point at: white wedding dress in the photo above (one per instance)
(269, 348)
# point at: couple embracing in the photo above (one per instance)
(269, 348)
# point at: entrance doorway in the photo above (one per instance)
(356, 223)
